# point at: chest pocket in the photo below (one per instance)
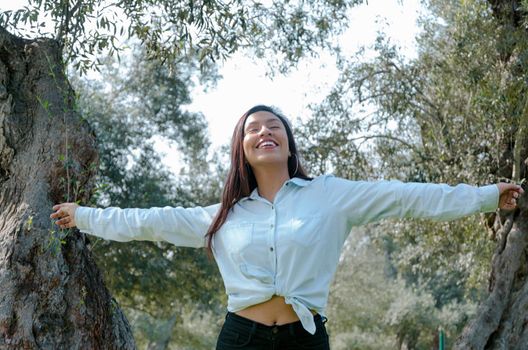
(305, 231)
(236, 237)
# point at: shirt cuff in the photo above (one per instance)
(81, 219)
(489, 198)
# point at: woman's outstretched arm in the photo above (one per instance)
(363, 201)
(177, 225)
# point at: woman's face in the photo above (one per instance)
(265, 140)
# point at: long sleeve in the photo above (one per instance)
(363, 201)
(180, 226)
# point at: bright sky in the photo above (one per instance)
(245, 83)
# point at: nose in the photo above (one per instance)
(264, 130)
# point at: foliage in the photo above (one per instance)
(372, 308)
(359, 298)
(168, 30)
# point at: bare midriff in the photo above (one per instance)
(271, 312)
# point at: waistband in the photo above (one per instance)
(293, 327)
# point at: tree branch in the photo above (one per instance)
(394, 138)
(521, 138)
(67, 15)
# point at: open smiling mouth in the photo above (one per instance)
(267, 145)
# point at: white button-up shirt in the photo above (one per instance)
(290, 247)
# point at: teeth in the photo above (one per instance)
(266, 144)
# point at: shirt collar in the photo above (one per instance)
(296, 181)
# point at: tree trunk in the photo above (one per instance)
(52, 295)
(501, 321)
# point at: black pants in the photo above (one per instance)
(241, 333)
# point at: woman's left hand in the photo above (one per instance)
(508, 194)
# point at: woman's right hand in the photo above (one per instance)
(65, 212)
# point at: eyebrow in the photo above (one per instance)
(271, 120)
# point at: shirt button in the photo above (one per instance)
(271, 249)
(271, 225)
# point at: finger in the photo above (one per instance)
(511, 187)
(517, 189)
(64, 220)
(56, 206)
(69, 224)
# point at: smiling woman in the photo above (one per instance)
(277, 233)
(266, 149)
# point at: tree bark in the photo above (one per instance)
(52, 295)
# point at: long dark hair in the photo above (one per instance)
(240, 180)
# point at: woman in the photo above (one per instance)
(277, 234)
